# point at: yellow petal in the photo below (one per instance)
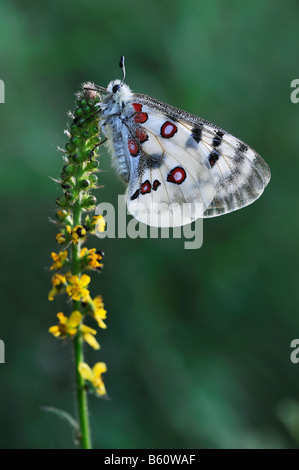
(52, 294)
(90, 339)
(98, 369)
(72, 331)
(74, 319)
(60, 238)
(100, 224)
(86, 298)
(58, 279)
(74, 279)
(75, 296)
(83, 251)
(100, 389)
(69, 290)
(98, 302)
(87, 329)
(85, 371)
(85, 280)
(84, 293)
(101, 323)
(101, 313)
(62, 318)
(54, 330)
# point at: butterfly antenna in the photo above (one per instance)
(95, 88)
(123, 68)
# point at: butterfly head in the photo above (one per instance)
(114, 86)
(119, 91)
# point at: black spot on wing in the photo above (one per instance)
(195, 138)
(154, 160)
(196, 133)
(147, 161)
(217, 138)
(214, 157)
(135, 195)
(239, 157)
(156, 184)
(242, 147)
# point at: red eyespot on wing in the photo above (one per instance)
(141, 135)
(140, 117)
(133, 147)
(177, 175)
(146, 187)
(168, 129)
(137, 107)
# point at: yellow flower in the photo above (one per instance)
(58, 259)
(88, 336)
(100, 313)
(94, 376)
(58, 281)
(53, 292)
(94, 258)
(77, 233)
(67, 327)
(60, 238)
(77, 287)
(98, 223)
(96, 309)
(83, 252)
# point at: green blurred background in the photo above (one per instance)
(198, 342)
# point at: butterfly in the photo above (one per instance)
(177, 166)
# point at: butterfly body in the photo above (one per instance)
(177, 166)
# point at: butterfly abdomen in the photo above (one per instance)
(117, 149)
(115, 113)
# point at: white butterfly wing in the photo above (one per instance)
(222, 172)
(178, 166)
(169, 184)
(240, 174)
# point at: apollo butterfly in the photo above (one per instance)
(170, 159)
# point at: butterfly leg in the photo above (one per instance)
(89, 117)
(91, 153)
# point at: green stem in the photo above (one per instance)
(78, 345)
(82, 396)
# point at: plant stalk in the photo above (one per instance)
(82, 401)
